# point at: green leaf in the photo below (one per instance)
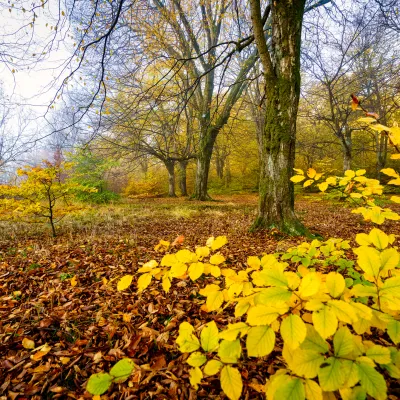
(314, 341)
(379, 354)
(306, 363)
(233, 331)
(393, 330)
(196, 359)
(209, 337)
(99, 383)
(293, 331)
(343, 342)
(212, 367)
(260, 341)
(391, 286)
(195, 377)
(231, 382)
(293, 390)
(331, 375)
(273, 277)
(335, 284)
(325, 321)
(229, 351)
(122, 369)
(272, 295)
(372, 381)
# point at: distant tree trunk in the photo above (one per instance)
(203, 165)
(347, 145)
(220, 164)
(277, 140)
(182, 177)
(170, 165)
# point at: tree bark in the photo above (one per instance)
(203, 166)
(281, 66)
(182, 177)
(347, 145)
(170, 165)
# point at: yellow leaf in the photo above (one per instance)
(126, 281)
(260, 341)
(331, 180)
(178, 270)
(261, 315)
(28, 344)
(306, 363)
(395, 199)
(217, 259)
(325, 322)
(209, 337)
(196, 270)
(335, 284)
(309, 285)
(299, 171)
(231, 382)
(313, 390)
(185, 256)
(309, 182)
(379, 239)
(395, 156)
(297, 178)
(195, 377)
(219, 242)
(73, 281)
(293, 331)
(229, 351)
(213, 367)
(65, 360)
(311, 172)
(360, 172)
(202, 252)
(42, 352)
(214, 301)
(350, 173)
(196, 359)
(323, 186)
(390, 172)
(166, 284)
(143, 281)
(254, 262)
(368, 261)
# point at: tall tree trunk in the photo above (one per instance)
(182, 177)
(347, 146)
(203, 165)
(170, 165)
(277, 142)
(219, 164)
(381, 153)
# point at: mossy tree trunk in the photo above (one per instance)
(170, 165)
(281, 65)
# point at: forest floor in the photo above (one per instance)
(90, 326)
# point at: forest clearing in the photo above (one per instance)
(62, 294)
